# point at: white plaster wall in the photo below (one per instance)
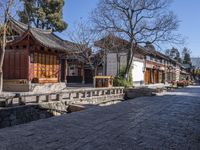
(178, 71)
(137, 67)
(137, 72)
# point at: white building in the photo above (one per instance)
(116, 62)
(138, 72)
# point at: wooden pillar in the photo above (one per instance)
(94, 82)
(28, 59)
(58, 68)
(66, 65)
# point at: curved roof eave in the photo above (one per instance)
(30, 33)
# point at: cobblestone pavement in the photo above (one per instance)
(171, 121)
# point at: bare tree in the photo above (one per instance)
(138, 21)
(83, 39)
(5, 9)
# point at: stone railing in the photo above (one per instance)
(86, 96)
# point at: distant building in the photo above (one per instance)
(115, 59)
(196, 67)
(149, 66)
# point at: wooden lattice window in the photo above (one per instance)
(45, 66)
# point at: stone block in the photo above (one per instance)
(74, 108)
(137, 92)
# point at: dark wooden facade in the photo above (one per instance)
(16, 63)
(39, 56)
(34, 56)
(154, 73)
(75, 71)
(28, 59)
(79, 72)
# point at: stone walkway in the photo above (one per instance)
(171, 121)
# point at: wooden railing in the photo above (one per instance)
(70, 96)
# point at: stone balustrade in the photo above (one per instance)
(88, 96)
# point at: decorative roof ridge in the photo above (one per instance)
(24, 26)
(19, 24)
(43, 31)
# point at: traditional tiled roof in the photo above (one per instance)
(187, 66)
(140, 49)
(46, 37)
(117, 41)
(158, 54)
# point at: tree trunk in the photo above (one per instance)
(127, 65)
(2, 57)
(129, 60)
(1, 81)
(3, 46)
(118, 57)
(95, 71)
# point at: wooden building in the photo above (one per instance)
(33, 56)
(116, 53)
(78, 71)
(149, 66)
(172, 71)
(155, 68)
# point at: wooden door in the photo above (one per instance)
(45, 67)
(156, 79)
(147, 76)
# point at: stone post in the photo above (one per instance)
(102, 92)
(38, 99)
(48, 98)
(108, 92)
(71, 96)
(79, 95)
(21, 102)
(98, 93)
(59, 97)
(114, 91)
(9, 102)
(90, 93)
(122, 91)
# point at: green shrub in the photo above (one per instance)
(121, 81)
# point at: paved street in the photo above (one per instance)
(171, 121)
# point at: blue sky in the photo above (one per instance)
(188, 12)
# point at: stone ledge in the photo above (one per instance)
(140, 92)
